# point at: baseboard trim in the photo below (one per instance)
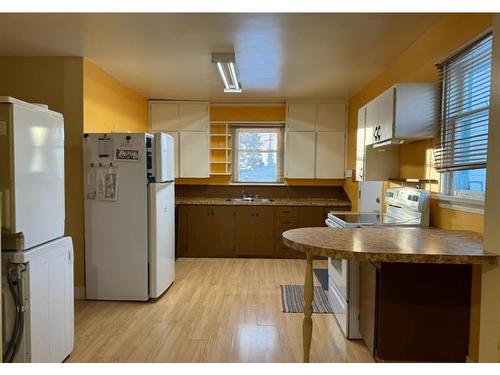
(79, 293)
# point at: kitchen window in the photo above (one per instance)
(462, 152)
(258, 154)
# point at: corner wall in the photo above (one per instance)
(417, 64)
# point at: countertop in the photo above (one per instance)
(392, 244)
(321, 202)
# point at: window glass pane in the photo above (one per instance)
(257, 140)
(257, 166)
(470, 182)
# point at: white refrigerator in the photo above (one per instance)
(129, 215)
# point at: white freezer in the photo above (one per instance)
(49, 301)
(31, 174)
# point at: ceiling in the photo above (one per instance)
(167, 56)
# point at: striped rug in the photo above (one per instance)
(292, 297)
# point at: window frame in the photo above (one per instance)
(279, 128)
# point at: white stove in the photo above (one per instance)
(404, 206)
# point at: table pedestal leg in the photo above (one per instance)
(307, 323)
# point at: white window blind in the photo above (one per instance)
(465, 85)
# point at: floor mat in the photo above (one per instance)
(292, 298)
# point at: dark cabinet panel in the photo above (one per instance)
(367, 303)
(311, 217)
(244, 233)
(182, 232)
(221, 231)
(198, 230)
(264, 233)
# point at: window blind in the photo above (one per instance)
(465, 90)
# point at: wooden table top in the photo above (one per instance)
(392, 244)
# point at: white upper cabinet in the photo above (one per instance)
(193, 116)
(194, 154)
(405, 112)
(300, 154)
(164, 116)
(188, 124)
(331, 117)
(315, 142)
(301, 117)
(330, 154)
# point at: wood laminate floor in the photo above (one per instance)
(217, 310)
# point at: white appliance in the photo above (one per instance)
(129, 215)
(31, 174)
(404, 206)
(46, 293)
(37, 261)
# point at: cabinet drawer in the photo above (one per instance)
(285, 211)
(283, 224)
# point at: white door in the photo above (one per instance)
(360, 144)
(371, 121)
(300, 154)
(331, 117)
(301, 117)
(330, 154)
(386, 114)
(194, 154)
(370, 196)
(161, 237)
(164, 157)
(175, 136)
(164, 116)
(193, 116)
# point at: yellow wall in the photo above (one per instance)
(270, 112)
(417, 64)
(109, 105)
(57, 82)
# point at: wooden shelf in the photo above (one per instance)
(220, 141)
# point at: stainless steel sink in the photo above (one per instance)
(249, 199)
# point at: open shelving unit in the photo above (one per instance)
(220, 148)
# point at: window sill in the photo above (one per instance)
(475, 206)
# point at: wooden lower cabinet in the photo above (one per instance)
(210, 231)
(242, 231)
(415, 312)
(253, 235)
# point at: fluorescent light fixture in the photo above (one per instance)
(226, 67)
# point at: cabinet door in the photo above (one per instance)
(386, 114)
(182, 231)
(244, 233)
(311, 217)
(164, 116)
(198, 235)
(175, 136)
(360, 144)
(221, 227)
(300, 154)
(264, 231)
(193, 116)
(331, 117)
(371, 121)
(194, 154)
(301, 117)
(330, 154)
